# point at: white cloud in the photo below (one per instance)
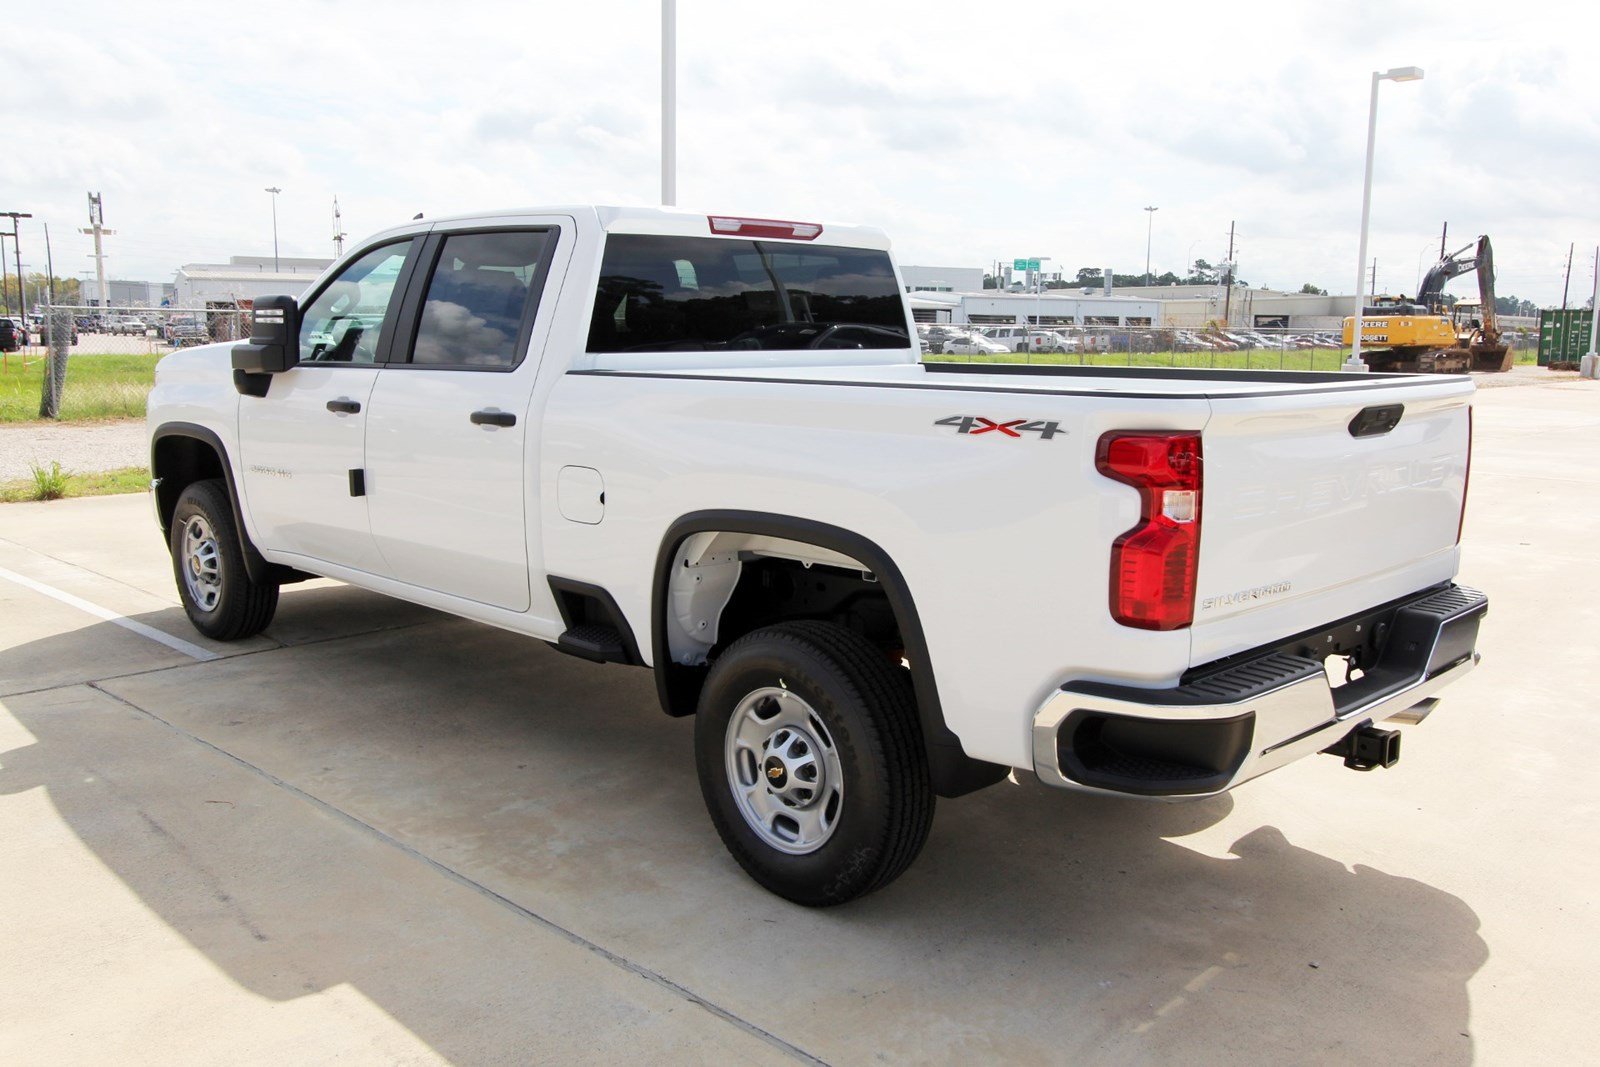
(971, 132)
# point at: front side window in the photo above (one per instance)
(472, 316)
(677, 294)
(345, 322)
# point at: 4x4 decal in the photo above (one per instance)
(974, 425)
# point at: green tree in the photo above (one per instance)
(1312, 290)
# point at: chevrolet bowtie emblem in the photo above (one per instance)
(774, 772)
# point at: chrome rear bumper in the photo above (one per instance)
(1248, 715)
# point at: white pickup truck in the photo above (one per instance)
(706, 446)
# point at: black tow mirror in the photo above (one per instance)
(274, 344)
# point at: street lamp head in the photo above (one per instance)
(273, 189)
(1402, 74)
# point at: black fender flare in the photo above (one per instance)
(953, 771)
(255, 565)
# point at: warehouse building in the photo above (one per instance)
(1054, 307)
(125, 293)
(200, 285)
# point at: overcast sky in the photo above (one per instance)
(970, 131)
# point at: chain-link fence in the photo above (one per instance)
(99, 363)
(1152, 346)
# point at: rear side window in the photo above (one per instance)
(472, 316)
(696, 294)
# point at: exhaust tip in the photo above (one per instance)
(1416, 712)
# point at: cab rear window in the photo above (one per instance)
(680, 294)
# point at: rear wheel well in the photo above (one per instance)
(721, 575)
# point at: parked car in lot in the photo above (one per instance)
(128, 324)
(972, 344)
(1202, 575)
(12, 335)
(182, 331)
(1015, 338)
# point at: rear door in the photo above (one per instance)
(448, 463)
(1313, 510)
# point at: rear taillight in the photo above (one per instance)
(793, 231)
(1153, 565)
(1466, 482)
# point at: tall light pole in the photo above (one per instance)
(1396, 74)
(669, 102)
(97, 227)
(274, 190)
(1150, 216)
(1188, 258)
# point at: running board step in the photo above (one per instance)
(595, 642)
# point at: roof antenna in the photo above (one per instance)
(417, 216)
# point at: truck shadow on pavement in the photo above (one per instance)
(1037, 925)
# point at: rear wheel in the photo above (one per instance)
(811, 763)
(217, 593)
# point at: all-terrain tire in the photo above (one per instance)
(217, 593)
(865, 716)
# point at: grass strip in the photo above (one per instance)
(100, 483)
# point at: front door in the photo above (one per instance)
(300, 442)
(449, 434)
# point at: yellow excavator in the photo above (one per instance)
(1398, 334)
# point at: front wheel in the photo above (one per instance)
(811, 762)
(217, 593)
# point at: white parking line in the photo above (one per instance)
(177, 644)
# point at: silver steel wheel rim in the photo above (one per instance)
(783, 769)
(202, 563)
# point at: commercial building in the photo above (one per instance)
(1053, 307)
(125, 293)
(941, 279)
(244, 278)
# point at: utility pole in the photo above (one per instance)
(49, 267)
(1569, 276)
(1374, 288)
(16, 246)
(338, 231)
(97, 226)
(1227, 276)
(1150, 214)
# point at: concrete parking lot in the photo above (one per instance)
(381, 834)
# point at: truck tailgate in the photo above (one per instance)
(1304, 522)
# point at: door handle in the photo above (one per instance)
(344, 407)
(493, 418)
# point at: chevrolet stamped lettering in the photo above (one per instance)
(1342, 489)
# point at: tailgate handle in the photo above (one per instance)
(1376, 421)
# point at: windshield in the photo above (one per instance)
(665, 294)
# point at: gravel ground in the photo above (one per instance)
(82, 448)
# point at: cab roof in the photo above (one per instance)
(677, 223)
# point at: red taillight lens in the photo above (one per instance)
(1153, 565)
(792, 231)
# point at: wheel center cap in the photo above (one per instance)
(777, 774)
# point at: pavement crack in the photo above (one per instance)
(614, 958)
